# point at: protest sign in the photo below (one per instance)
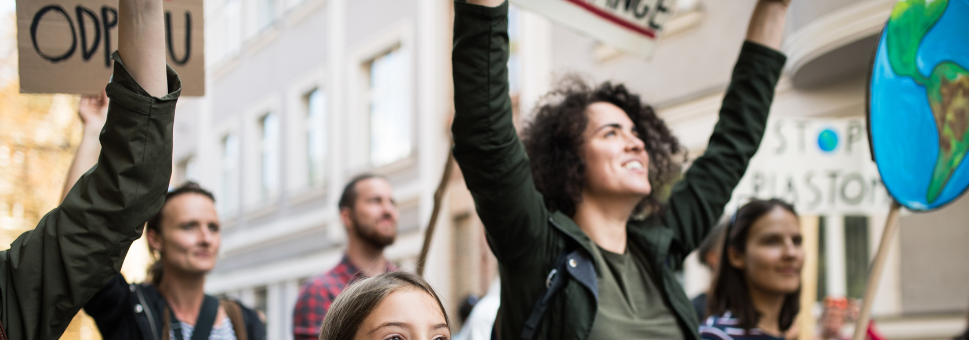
(631, 25)
(65, 46)
(820, 165)
(918, 107)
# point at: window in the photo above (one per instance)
(225, 28)
(266, 13)
(261, 297)
(389, 108)
(856, 255)
(185, 171)
(229, 200)
(315, 137)
(269, 156)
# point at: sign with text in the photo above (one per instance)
(821, 165)
(631, 25)
(65, 46)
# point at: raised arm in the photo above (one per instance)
(141, 43)
(49, 273)
(486, 145)
(93, 110)
(697, 202)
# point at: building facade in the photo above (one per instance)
(304, 94)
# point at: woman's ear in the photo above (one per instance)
(154, 239)
(735, 258)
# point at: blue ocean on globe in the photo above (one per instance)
(904, 136)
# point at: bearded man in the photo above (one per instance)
(369, 213)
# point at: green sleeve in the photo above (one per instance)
(486, 145)
(49, 273)
(697, 201)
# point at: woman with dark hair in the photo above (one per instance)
(586, 248)
(389, 306)
(757, 290)
(184, 239)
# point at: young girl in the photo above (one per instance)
(390, 306)
(757, 290)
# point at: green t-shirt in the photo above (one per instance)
(630, 304)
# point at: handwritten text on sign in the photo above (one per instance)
(632, 25)
(821, 165)
(65, 45)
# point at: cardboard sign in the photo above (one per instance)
(918, 103)
(821, 165)
(631, 25)
(65, 46)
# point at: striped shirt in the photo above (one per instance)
(223, 331)
(725, 328)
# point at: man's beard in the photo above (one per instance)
(368, 233)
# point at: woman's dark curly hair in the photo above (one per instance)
(554, 136)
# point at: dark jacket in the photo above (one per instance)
(50, 272)
(126, 311)
(527, 238)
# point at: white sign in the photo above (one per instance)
(631, 25)
(822, 166)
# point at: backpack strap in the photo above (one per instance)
(554, 283)
(234, 311)
(203, 324)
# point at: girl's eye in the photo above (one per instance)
(610, 133)
(395, 337)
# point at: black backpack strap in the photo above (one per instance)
(204, 323)
(554, 282)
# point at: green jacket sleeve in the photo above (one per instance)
(50, 272)
(486, 145)
(697, 201)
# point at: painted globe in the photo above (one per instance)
(919, 102)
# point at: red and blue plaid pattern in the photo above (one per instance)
(318, 293)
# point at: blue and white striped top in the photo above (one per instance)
(223, 331)
(725, 328)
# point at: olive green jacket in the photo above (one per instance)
(527, 238)
(50, 272)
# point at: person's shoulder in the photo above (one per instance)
(726, 327)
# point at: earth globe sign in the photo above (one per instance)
(919, 103)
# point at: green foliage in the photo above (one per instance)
(909, 22)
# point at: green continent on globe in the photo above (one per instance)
(949, 96)
(947, 87)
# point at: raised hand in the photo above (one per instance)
(767, 23)
(93, 110)
(141, 43)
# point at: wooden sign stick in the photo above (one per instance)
(891, 226)
(435, 212)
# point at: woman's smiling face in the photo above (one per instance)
(406, 314)
(774, 256)
(615, 157)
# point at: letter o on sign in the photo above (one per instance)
(33, 33)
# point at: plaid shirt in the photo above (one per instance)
(317, 294)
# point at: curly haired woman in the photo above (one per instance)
(575, 258)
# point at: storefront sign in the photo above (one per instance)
(631, 25)
(65, 46)
(822, 166)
